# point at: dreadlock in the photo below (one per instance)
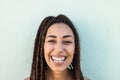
(39, 64)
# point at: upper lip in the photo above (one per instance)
(58, 57)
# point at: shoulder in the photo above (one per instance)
(85, 78)
(28, 78)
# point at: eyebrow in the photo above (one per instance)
(52, 36)
(65, 36)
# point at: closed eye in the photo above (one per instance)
(51, 41)
(67, 42)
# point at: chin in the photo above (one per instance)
(58, 69)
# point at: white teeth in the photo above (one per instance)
(58, 59)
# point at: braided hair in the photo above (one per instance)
(39, 64)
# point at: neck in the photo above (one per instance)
(61, 75)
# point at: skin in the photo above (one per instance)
(59, 42)
(85, 78)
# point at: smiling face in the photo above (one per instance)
(59, 47)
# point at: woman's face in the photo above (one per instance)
(59, 47)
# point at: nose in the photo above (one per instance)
(59, 47)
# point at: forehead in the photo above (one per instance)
(59, 29)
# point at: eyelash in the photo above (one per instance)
(64, 42)
(51, 41)
(67, 42)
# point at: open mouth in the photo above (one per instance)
(58, 59)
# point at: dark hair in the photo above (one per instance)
(39, 64)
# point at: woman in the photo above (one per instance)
(56, 51)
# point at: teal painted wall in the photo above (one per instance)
(98, 23)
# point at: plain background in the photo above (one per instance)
(97, 21)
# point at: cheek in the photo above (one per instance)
(72, 49)
(47, 50)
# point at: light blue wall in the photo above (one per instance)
(98, 23)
